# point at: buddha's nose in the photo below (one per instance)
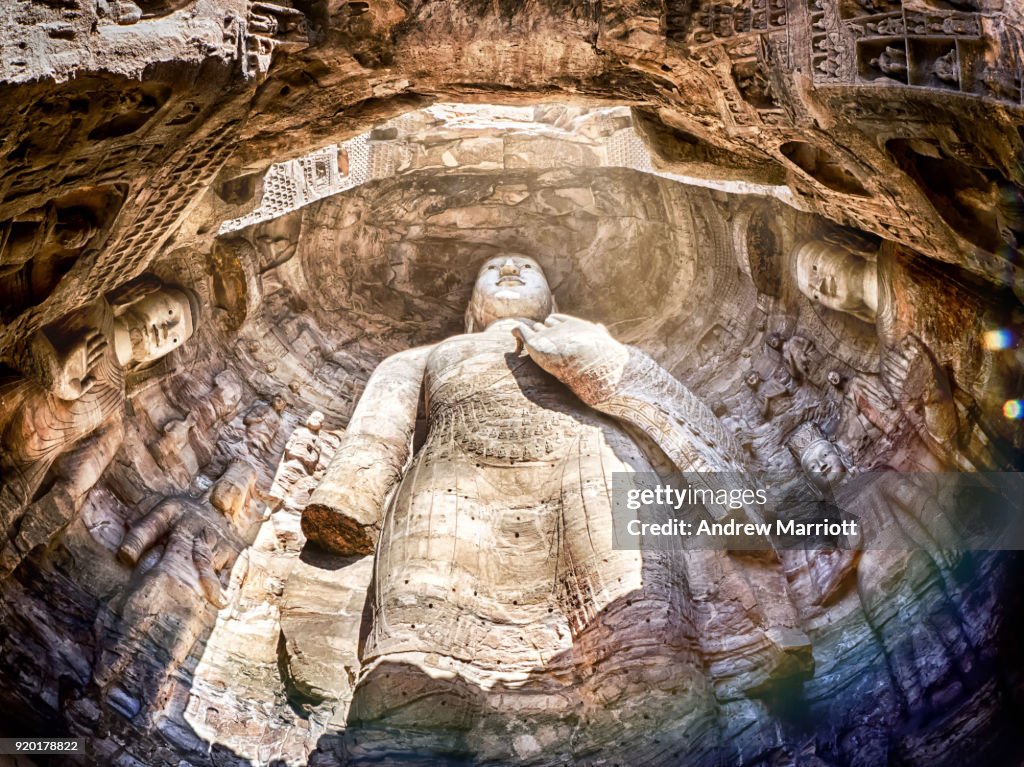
(509, 269)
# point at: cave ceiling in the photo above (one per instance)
(218, 218)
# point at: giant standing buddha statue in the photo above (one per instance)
(496, 583)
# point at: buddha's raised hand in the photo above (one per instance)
(580, 354)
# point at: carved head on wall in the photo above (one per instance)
(836, 278)
(818, 457)
(509, 286)
(155, 324)
(315, 421)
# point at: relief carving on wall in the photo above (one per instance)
(63, 423)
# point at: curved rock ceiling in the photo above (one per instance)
(218, 218)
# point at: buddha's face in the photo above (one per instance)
(822, 464)
(276, 241)
(157, 324)
(832, 277)
(509, 286)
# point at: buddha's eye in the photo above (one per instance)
(492, 266)
(527, 266)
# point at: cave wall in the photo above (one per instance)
(768, 94)
(136, 131)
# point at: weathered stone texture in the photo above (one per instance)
(830, 292)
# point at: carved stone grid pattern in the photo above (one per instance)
(722, 20)
(383, 160)
(830, 60)
(925, 45)
(160, 214)
(281, 189)
(627, 150)
(859, 42)
(359, 162)
(319, 172)
(290, 185)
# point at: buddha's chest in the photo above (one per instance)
(486, 400)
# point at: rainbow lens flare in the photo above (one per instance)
(995, 340)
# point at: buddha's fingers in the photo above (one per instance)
(523, 334)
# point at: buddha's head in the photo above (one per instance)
(511, 286)
(276, 240)
(834, 277)
(155, 325)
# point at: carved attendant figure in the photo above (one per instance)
(165, 607)
(495, 568)
(906, 541)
